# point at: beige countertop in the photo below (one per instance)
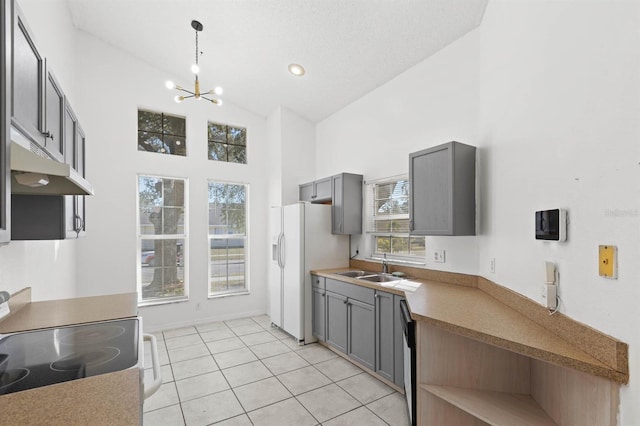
(27, 315)
(469, 311)
(106, 399)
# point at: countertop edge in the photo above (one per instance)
(597, 367)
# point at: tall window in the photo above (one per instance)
(390, 220)
(162, 239)
(162, 133)
(227, 143)
(227, 238)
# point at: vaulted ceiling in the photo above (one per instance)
(348, 47)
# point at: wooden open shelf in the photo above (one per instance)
(494, 408)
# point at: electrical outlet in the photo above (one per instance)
(439, 256)
(493, 265)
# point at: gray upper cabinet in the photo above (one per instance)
(54, 118)
(5, 119)
(28, 68)
(54, 217)
(385, 355)
(346, 210)
(318, 191)
(344, 192)
(442, 190)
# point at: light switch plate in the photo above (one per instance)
(607, 261)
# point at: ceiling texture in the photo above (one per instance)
(348, 47)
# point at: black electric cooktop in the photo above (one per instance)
(54, 355)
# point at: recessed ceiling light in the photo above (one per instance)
(296, 70)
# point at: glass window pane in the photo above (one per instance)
(217, 132)
(175, 145)
(237, 154)
(152, 142)
(174, 125)
(217, 151)
(237, 136)
(383, 245)
(173, 192)
(227, 258)
(162, 269)
(400, 245)
(150, 121)
(417, 246)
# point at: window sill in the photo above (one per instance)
(144, 304)
(396, 260)
(221, 295)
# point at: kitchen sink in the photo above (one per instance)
(379, 278)
(354, 274)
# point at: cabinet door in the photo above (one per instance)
(431, 191)
(322, 190)
(318, 308)
(398, 342)
(336, 315)
(79, 209)
(361, 332)
(54, 118)
(306, 192)
(28, 82)
(5, 89)
(442, 190)
(385, 345)
(337, 213)
(70, 133)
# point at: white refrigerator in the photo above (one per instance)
(301, 241)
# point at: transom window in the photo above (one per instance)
(161, 133)
(162, 240)
(389, 223)
(227, 143)
(227, 238)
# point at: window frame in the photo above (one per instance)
(185, 246)
(163, 133)
(373, 234)
(245, 236)
(227, 144)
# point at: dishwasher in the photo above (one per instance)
(409, 350)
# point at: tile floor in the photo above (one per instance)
(244, 372)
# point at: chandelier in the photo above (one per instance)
(195, 68)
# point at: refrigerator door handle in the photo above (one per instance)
(279, 249)
(282, 251)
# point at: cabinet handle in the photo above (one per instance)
(47, 135)
(345, 301)
(79, 225)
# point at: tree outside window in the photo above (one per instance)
(162, 239)
(161, 133)
(227, 143)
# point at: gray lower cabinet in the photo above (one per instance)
(318, 307)
(398, 343)
(442, 190)
(385, 335)
(361, 332)
(336, 329)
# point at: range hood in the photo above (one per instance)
(27, 157)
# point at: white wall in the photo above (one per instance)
(374, 135)
(549, 91)
(113, 85)
(46, 266)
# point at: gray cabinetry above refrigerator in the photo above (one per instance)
(344, 192)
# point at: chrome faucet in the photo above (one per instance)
(385, 264)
